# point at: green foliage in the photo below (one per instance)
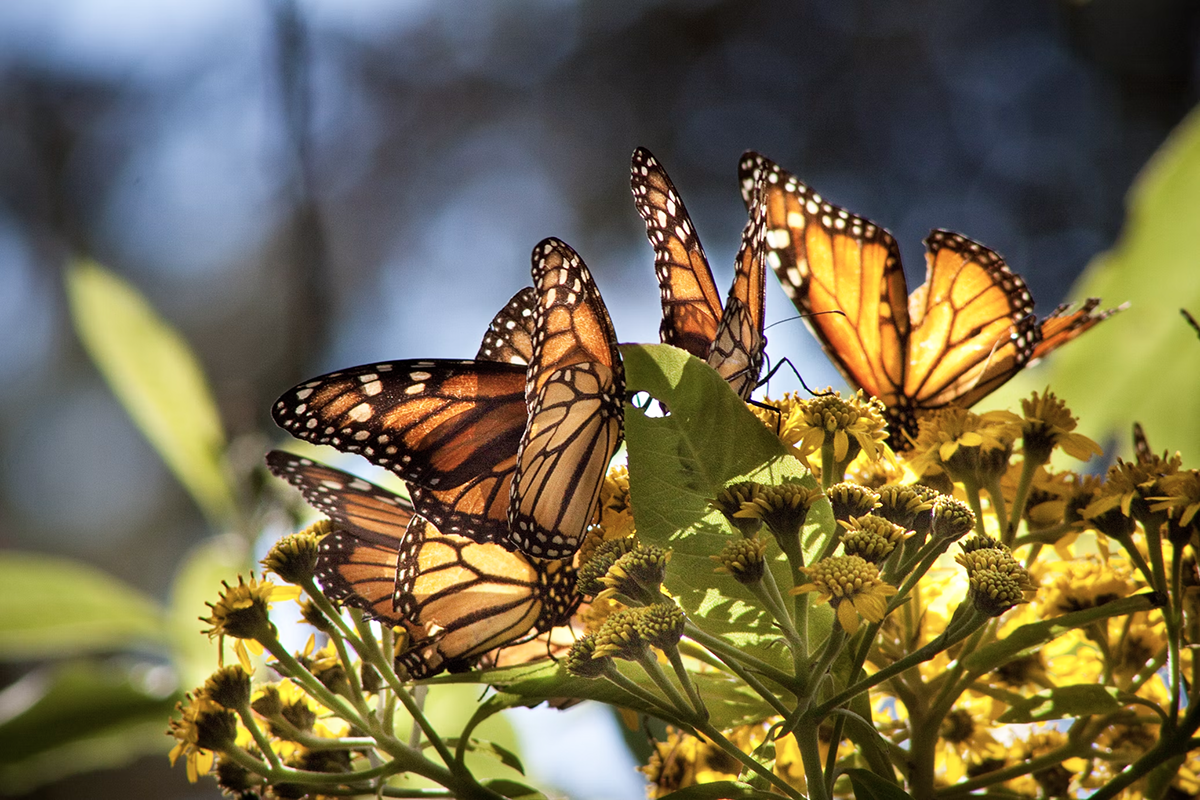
(680, 462)
(1078, 700)
(81, 715)
(1144, 363)
(53, 607)
(729, 702)
(157, 378)
(1029, 638)
(869, 786)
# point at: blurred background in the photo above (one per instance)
(302, 185)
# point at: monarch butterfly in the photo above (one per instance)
(492, 450)
(458, 599)
(731, 340)
(959, 336)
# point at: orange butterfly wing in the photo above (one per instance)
(450, 428)
(973, 324)
(575, 393)
(690, 302)
(828, 259)
(357, 561)
(739, 345)
(963, 333)
(731, 340)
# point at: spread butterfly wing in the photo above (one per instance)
(690, 302)
(451, 428)
(973, 324)
(829, 260)
(1062, 325)
(739, 344)
(356, 564)
(575, 392)
(473, 598)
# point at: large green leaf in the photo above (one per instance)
(1077, 700)
(77, 717)
(730, 702)
(678, 463)
(1029, 638)
(1144, 363)
(157, 378)
(51, 607)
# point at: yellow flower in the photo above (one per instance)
(1179, 492)
(849, 424)
(997, 582)
(294, 557)
(852, 586)
(202, 726)
(968, 447)
(1048, 424)
(242, 611)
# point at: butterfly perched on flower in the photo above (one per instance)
(458, 599)
(729, 338)
(959, 336)
(495, 450)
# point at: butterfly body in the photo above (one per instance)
(959, 336)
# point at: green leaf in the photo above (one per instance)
(77, 717)
(729, 701)
(1078, 700)
(720, 790)
(216, 559)
(502, 754)
(1144, 363)
(1028, 638)
(157, 378)
(513, 789)
(53, 607)
(869, 786)
(680, 462)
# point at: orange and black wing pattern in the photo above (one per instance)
(509, 339)
(357, 561)
(575, 394)
(731, 338)
(449, 428)
(690, 302)
(471, 598)
(963, 333)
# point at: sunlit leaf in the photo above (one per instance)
(513, 789)
(1028, 638)
(721, 790)
(1144, 363)
(729, 701)
(53, 607)
(869, 786)
(1079, 700)
(157, 378)
(79, 717)
(680, 462)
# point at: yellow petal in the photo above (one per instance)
(848, 617)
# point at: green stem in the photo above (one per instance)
(649, 663)
(770, 697)
(809, 742)
(1024, 484)
(969, 622)
(758, 769)
(997, 496)
(685, 679)
(724, 651)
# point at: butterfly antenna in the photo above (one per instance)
(796, 372)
